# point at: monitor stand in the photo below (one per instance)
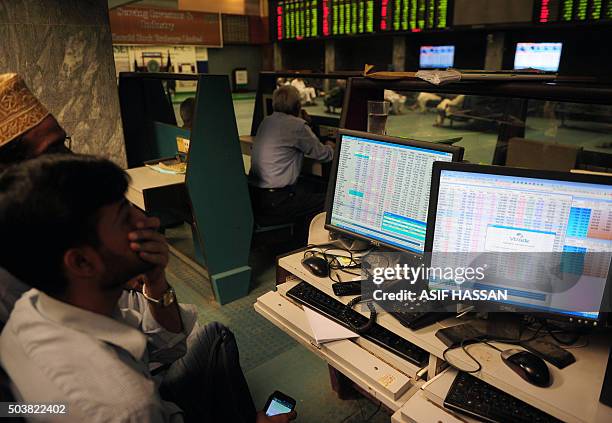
(503, 325)
(351, 244)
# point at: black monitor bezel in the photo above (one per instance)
(457, 155)
(438, 167)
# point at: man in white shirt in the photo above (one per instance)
(77, 337)
(307, 94)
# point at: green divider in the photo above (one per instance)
(218, 190)
(165, 138)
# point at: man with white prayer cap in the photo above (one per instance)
(27, 129)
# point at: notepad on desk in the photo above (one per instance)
(171, 165)
(174, 168)
(325, 330)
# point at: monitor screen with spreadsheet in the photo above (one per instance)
(564, 219)
(379, 188)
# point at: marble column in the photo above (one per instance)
(278, 57)
(495, 51)
(399, 54)
(63, 50)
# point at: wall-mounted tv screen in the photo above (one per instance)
(542, 56)
(437, 57)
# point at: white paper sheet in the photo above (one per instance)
(325, 330)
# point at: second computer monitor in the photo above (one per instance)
(544, 236)
(379, 188)
(542, 56)
(436, 57)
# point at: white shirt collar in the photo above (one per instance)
(106, 329)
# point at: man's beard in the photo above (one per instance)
(120, 269)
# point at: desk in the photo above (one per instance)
(151, 190)
(573, 396)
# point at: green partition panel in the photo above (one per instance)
(218, 190)
(165, 138)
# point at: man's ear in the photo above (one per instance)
(82, 262)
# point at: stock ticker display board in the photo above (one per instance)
(572, 11)
(296, 19)
(414, 15)
(347, 17)
(302, 19)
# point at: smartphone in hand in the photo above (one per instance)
(279, 403)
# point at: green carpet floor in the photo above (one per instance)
(270, 359)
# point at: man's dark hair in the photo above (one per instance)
(187, 109)
(49, 205)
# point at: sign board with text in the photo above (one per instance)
(138, 25)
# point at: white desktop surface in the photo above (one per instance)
(573, 396)
(144, 179)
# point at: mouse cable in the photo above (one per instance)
(487, 342)
(575, 336)
(484, 341)
(368, 325)
(333, 261)
(463, 347)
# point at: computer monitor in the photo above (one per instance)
(524, 215)
(379, 188)
(542, 56)
(437, 57)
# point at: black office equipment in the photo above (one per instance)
(379, 188)
(605, 397)
(550, 352)
(464, 334)
(319, 301)
(478, 399)
(316, 265)
(558, 214)
(528, 366)
(342, 289)
(416, 320)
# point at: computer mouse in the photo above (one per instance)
(318, 266)
(528, 366)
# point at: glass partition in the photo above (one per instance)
(585, 126)
(321, 95)
(472, 122)
(533, 124)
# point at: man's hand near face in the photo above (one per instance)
(152, 248)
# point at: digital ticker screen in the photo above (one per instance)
(347, 17)
(296, 19)
(572, 11)
(413, 15)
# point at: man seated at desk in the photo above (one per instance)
(282, 141)
(78, 337)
